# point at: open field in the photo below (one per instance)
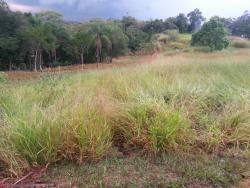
(175, 121)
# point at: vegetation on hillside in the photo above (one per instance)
(45, 39)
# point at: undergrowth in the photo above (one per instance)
(197, 107)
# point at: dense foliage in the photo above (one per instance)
(212, 34)
(241, 27)
(33, 42)
(45, 39)
(195, 18)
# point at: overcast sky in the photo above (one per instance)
(141, 9)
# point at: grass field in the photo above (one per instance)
(183, 120)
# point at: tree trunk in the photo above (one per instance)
(55, 56)
(82, 60)
(40, 61)
(35, 61)
(10, 65)
(98, 49)
(30, 63)
(50, 59)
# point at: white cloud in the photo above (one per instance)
(24, 8)
(58, 2)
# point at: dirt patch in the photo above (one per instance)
(243, 184)
(117, 62)
(22, 75)
(139, 171)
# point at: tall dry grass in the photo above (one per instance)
(190, 103)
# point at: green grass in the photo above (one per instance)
(184, 38)
(137, 171)
(193, 106)
(2, 77)
(174, 45)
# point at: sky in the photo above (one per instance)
(78, 10)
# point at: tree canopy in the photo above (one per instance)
(212, 34)
(241, 26)
(195, 18)
(36, 41)
(181, 22)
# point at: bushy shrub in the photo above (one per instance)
(164, 39)
(152, 128)
(212, 34)
(136, 38)
(148, 48)
(86, 135)
(241, 44)
(166, 130)
(93, 137)
(173, 34)
(177, 45)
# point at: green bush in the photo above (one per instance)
(165, 131)
(36, 143)
(93, 137)
(173, 34)
(148, 48)
(152, 128)
(212, 34)
(136, 38)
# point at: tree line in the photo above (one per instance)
(34, 41)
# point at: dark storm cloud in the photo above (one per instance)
(141, 9)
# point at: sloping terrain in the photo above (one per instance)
(179, 120)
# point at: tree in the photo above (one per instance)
(119, 41)
(11, 24)
(227, 22)
(40, 37)
(170, 24)
(154, 26)
(181, 21)
(128, 21)
(212, 34)
(241, 26)
(83, 42)
(158, 26)
(51, 17)
(195, 18)
(55, 22)
(136, 38)
(4, 6)
(110, 40)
